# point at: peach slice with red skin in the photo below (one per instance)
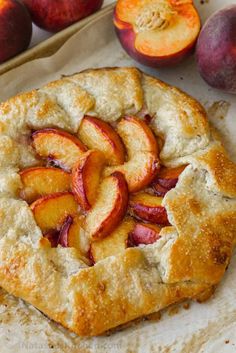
(58, 146)
(109, 208)
(141, 144)
(41, 181)
(73, 235)
(157, 33)
(167, 179)
(137, 136)
(114, 244)
(139, 171)
(148, 208)
(86, 177)
(159, 190)
(97, 134)
(53, 237)
(68, 237)
(51, 211)
(144, 233)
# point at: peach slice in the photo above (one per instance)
(141, 145)
(148, 208)
(51, 211)
(157, 33)
(73, 235)
(109, 208)
(139, 171)
(53, 237)
(167, 178)
(114, 244)
(137, 136)
(144, 233)
(99, 135)
(58, 146)
(86, 177)
(159, 190)
(41, 181)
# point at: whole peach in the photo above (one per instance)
(54, 15)
(216, 50)
(15, 29)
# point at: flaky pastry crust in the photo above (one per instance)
(192, 254)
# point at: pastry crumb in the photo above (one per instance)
(186, 306)
(154, 316)
(173, 310)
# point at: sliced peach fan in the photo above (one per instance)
(89, 206)
(161, 28)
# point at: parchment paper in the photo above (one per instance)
(204, 328)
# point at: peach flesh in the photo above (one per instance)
(127, 40)
(157, 34)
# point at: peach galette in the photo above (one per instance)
(116, 199)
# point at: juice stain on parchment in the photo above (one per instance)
(199, 341)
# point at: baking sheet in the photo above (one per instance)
(204, 328)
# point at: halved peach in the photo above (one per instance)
(97, 134)
(41, 181)
(137, 136)
(167, 178)
(73, 235)
(148, 208)
(139, 171)
(58, 146)
(86, 177)
(144, 233)
(51, 211)
(109, 208)
(114, 244)
(157, 33)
